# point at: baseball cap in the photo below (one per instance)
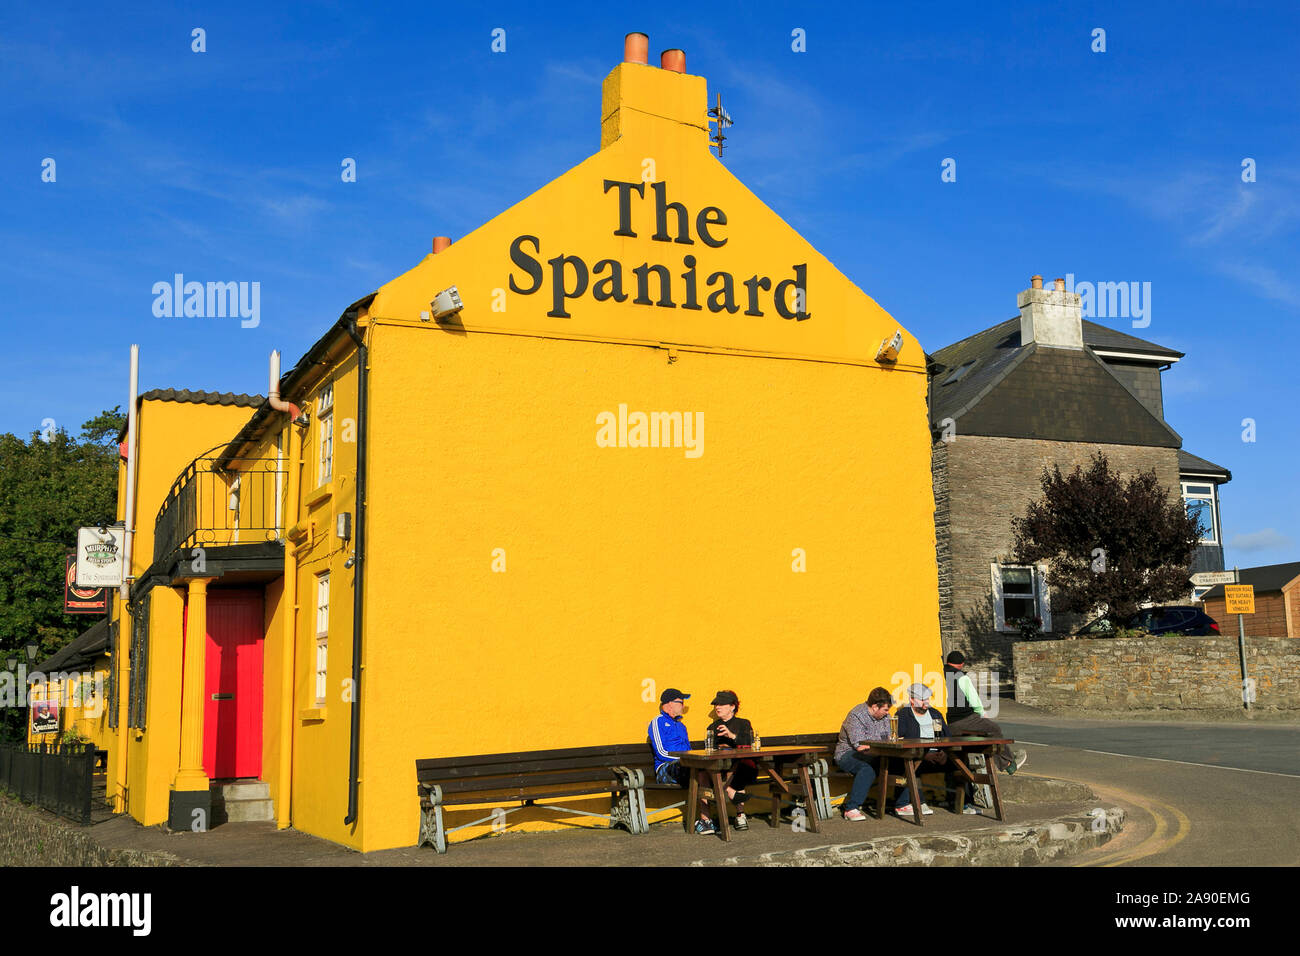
(672, 693)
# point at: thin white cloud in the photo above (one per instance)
(1270, 539)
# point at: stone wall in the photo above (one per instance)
(1157, 673)
(987, 481)
(32, 837)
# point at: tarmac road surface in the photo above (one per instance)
(1196, 794)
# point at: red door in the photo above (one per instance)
(232, 699)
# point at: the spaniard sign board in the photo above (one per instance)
(78, 600)
(99, 557)
(45, 716)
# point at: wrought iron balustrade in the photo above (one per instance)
(208, 506)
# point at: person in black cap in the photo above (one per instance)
(966, 713)
(732, 731)
(668, 736)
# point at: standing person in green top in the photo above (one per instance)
(732, 731)
(966, 713)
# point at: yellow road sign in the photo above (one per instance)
(1240, 598)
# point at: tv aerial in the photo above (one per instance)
(723, 119)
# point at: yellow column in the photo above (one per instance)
(191, 775)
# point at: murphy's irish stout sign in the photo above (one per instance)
(687, 284)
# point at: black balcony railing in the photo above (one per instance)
(207, 505)
(57, 778)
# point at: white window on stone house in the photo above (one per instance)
(1201, 504)
(322, 635)
(325, 431)
(1019, 592)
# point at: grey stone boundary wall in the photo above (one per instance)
(1158, 674)
(31, 837)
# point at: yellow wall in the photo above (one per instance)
(170, 436)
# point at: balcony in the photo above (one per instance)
(208, 506)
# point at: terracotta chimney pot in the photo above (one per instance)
(636, 48)
(1060, 285)
(674, 60)
(1036, 282)
(440, 243)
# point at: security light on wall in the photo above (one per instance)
(889, 348)
(445, 303)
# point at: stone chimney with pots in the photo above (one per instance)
(1052, 318)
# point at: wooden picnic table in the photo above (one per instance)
(714, 765)
(912, 750)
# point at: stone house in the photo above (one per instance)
(1044, 388)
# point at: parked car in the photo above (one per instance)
(1185, 619)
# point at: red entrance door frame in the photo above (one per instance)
(232, 697)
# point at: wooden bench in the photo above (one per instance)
(529, 776)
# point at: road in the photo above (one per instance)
(1196, 794)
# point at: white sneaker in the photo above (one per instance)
(855, 815)
(905, 811)
(968, 809)
(925, 809)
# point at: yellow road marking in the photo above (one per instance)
(1155, 843)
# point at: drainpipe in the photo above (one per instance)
(359, 557)
(289, 601)
(124, 592)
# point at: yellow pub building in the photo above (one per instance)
(632, 433)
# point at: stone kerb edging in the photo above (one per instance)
(1026, 844)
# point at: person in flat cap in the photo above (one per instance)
(920, 720)
(732, 731)
(966, 713)
(668, 736)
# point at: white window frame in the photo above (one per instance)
(1041, 594)
(322, 636)
(1213, 498)
(325, 434)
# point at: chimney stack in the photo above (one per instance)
(1052, 318)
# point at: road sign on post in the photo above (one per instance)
(1240, 598)
(1206, 579)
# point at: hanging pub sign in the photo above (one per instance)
(99, 557)
(78, 600)
(45, 716)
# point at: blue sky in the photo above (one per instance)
(1123, 165)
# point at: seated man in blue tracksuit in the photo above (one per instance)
(919, 719)
(667, 736)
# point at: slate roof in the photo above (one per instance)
(1270, 577)
(1105, 339)
(80, 651)
(1189, 464)
(1016, 391)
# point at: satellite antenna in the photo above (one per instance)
(723, 119)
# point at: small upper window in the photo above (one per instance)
(325, 423)
(959, 373)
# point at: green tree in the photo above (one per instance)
(50, 485)
(1111, 545)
